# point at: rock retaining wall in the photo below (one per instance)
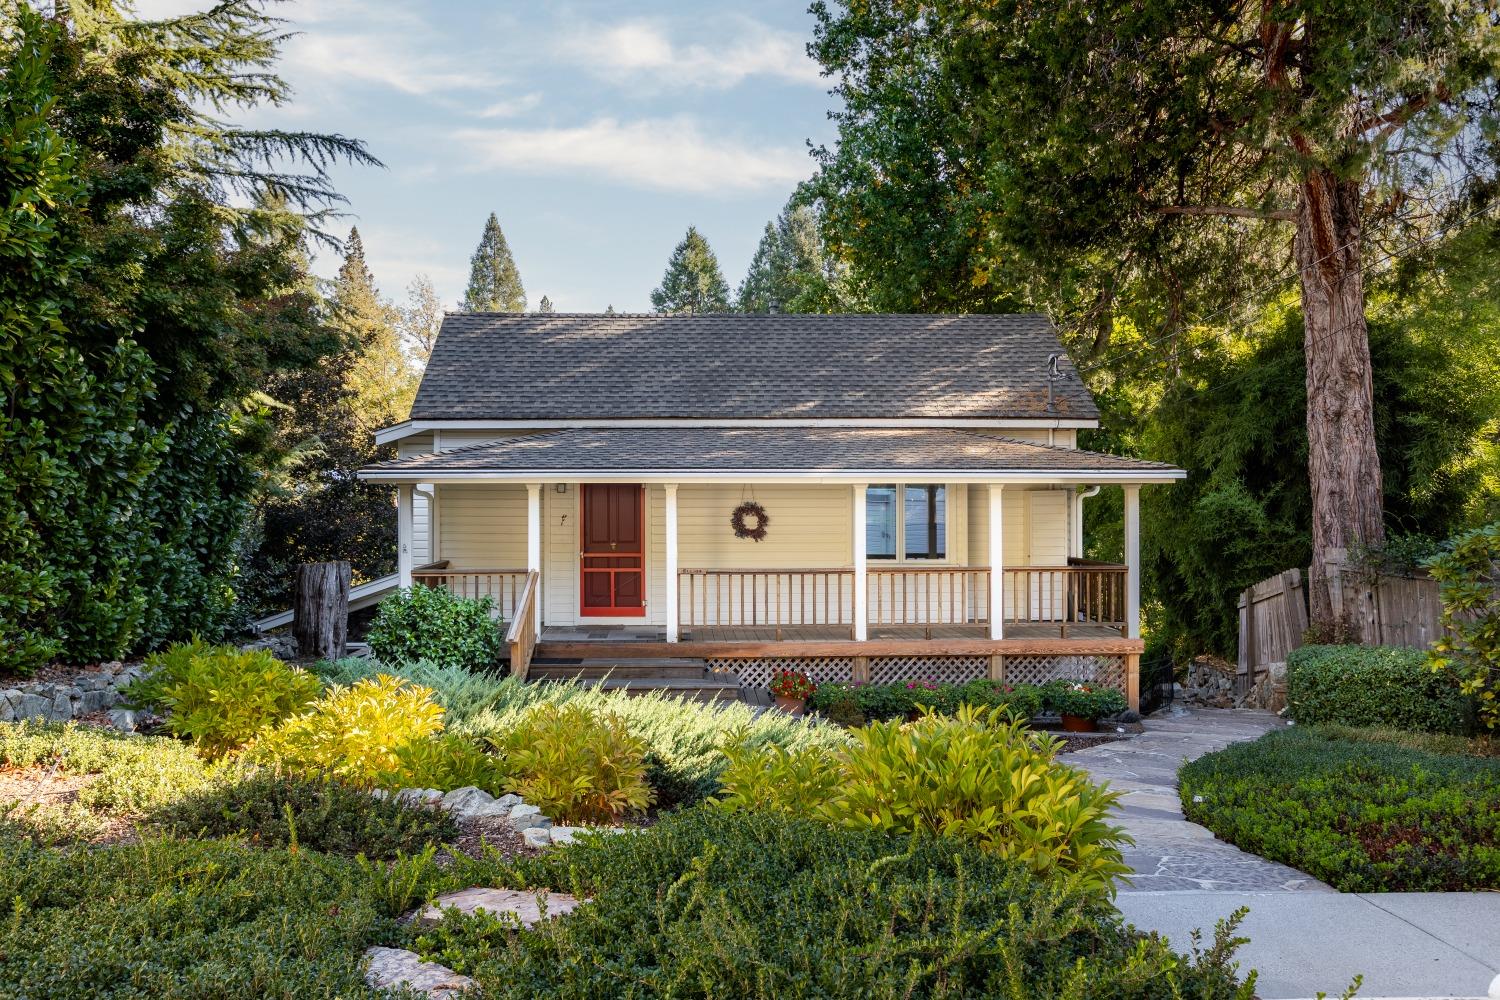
(96, 689)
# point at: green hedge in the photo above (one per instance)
(1361, 816)
(708, 904)
(1374, 686)
(855, 703)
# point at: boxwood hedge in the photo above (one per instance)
(1374, 686)
(1360, 815)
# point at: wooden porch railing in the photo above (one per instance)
(503, 586)
(929, 595)
(1081, 594)
(764, 597)
(521, 636)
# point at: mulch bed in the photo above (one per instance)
(45, 788)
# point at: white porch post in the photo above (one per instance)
(671, 560)
(534, 540)
(404, 500)
(997, 561)
(1133, 562)
(861, 576)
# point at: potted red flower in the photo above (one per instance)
(791, 689)
(1081, 706)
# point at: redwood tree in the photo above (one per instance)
(1094, 145)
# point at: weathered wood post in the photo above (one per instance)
(320, 612)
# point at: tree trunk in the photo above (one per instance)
(1342, 464)
(320, 614)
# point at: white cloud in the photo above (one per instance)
(511, 107)
(382, 60)
(672, 154)
(642, 49)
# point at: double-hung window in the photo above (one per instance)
(906, 521)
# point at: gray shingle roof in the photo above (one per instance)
(512, 366)
(762, 449)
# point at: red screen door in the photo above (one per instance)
(614, 551)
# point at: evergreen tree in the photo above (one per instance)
(792, 271)
(693, 282)
(545, 306)
(494, 282)
(609, 310)
(380, 379)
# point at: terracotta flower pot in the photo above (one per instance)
(1078, 724)
(791, 706)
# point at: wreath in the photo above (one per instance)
(741, 521)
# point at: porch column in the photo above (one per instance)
(861, 577)
(671, 560)
(1133, 562)
(997, 561)
(534, 540)
(404, 500)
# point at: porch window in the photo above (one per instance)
(907, 520)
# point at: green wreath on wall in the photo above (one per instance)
(749, 520)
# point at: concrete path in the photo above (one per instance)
(1304, 936)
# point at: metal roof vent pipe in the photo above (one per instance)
(773, 306)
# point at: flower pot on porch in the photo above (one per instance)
(1078, 724)
(791, 706)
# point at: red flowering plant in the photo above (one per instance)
(792, 684)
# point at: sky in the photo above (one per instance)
(597, 132)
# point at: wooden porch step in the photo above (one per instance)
(646, 668)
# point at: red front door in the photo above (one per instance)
(614, 551)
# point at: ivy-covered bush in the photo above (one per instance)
(577, 765)
(315, 813)
(974, 776)
(1468, 576)
(1361, 816)
(432, 624)
(1374, 686)
(219, 697)
(714, 904)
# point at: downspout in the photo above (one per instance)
(1079, 498)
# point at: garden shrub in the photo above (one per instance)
(462, 692)
(1086, 701)
(354, 732)
(432, 624)
(1373, 686)
(855, 702)
(972, 776)
(220, 697)
(1468, 576)
(135, 773)
(270, 810)
(1361, 816)
(577, 765)
(714, 904)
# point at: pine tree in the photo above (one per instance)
(792, 271)
(693, 282)
(545, 306)
(381, 381)
(609, 310)
(494, 282)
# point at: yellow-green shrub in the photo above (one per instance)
(576, 765)
(220, 697)
(975, 776)
(356, 733)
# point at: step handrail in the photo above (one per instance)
(522, 635)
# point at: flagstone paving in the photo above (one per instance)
(1170, 853)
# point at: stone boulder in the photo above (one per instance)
(525, 906)
(393, 968)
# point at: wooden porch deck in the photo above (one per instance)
(817, 633)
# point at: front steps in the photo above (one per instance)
(672, 677)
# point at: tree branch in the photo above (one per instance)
(1275, 214)
(1398, 116)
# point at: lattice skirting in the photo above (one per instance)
(1104, 670)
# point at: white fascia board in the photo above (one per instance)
(817, 476)
(411, 427)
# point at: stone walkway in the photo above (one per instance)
(1170, 853)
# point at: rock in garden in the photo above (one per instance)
(418, 797)
(525, 906)
(537, 836)
(525, 817)
(124, 720)
(33, 706)
(393, 968)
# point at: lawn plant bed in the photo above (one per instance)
(1361, 815)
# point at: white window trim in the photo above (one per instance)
(901, 558)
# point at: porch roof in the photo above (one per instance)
(675, 454)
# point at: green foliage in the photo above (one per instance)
(313, 813)
(1444, 744)
(354, 733)
(134, 774)
(577, 765)
(792, 271)
(693, 282)
(494, 282)
(1083, 700)
(1374, 686)
(1361, 816)
(219, 697)
(712, 904)
(899, 699)
(432, 624)
(445, 762)
(683, 738)
(971, 777)
(1468, 576)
